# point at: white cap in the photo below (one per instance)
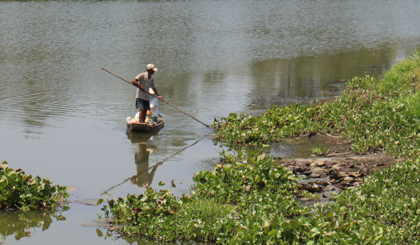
(151, 67)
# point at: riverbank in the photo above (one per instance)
(251, 198)
(375, 116)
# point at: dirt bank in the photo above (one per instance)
(328, 175)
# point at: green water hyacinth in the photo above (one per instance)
(248, 198)
(241, 178)
(23, 191)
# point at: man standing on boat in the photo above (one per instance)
(144, 81)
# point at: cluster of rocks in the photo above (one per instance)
(329, 175)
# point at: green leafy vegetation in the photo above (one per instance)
(320, 151)
(249, 199)
(22, 191)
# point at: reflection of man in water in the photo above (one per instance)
(142, 166)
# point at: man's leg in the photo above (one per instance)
(142, 116)
(143, 106)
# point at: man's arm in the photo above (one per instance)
(136, 83)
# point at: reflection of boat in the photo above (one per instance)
(141, 158)
(154, 124)
(146, 142)
(141, 137)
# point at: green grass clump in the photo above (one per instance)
(320, 151)
(398, 79)
(22, 191)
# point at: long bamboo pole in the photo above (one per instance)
(156, 97)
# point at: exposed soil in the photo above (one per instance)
(329, 175)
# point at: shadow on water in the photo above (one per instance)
(25, 224)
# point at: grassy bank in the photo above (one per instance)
(248, 199)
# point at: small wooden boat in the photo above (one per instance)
(151, 125)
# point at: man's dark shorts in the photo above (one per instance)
(142, 104)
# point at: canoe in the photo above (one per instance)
(144, 127)
(152, 126)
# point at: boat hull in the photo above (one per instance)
(145, 127)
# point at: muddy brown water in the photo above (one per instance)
(62, 117)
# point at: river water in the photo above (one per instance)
(63, 117)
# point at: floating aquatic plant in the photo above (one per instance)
(220, 205)
(23, 191)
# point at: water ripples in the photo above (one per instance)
(214, 57)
